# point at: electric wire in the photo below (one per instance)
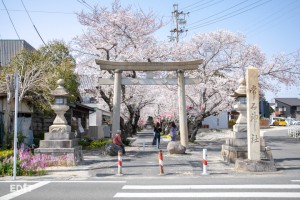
(262, 24)
(33, 23)
(191, 10)
(192, 4)
(206, 6)
(219, 12)
(83, 2)
(11, 21)
(222, 18)
(40, 11)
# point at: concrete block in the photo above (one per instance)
(58, 143)
(254, 166)
(239, 135)
(236, 142)
(240, 128)
(59, 136)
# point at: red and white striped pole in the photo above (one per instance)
(205, 162)
(120, 163)
(161, 163)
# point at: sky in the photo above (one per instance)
(272, 25)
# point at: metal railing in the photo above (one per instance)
(294, 131)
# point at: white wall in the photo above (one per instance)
(217, 122)
(96, 129)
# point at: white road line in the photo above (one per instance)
(295, 180)
(70, 181)
(23, 191)
(210, 187)
(211, 195)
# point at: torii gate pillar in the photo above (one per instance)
(116, 102)
(182, 109)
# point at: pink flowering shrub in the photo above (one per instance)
(29, 164)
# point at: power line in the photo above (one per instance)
(222, 18)
(262, 24)
(191, 10)
(233, 12)
(33, 23)
(11, 19)
(207, 6)
(218, 12)
(41, 11)
(192, 4)
(83, 2)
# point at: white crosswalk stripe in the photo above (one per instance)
(207, 191)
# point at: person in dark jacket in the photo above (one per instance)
(156, 138)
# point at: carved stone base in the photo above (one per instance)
(64, 156)
(255, 166)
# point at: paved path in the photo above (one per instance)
(141, 161)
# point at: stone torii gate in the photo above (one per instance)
(181, 81)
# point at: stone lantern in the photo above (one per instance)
(60, 103)
(241, 105)
(236, 146)
(60, 141)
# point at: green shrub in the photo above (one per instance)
(85, 142)
(5, 154)
(99, 143)
(231, 122)
(126, 142)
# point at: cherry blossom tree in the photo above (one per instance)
(116, 34)
(226, 57)
(124, 34)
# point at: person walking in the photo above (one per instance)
(117, 140)
(156, 137)
(173, 131)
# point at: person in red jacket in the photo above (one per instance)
(117, 140)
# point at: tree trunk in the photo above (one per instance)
(195, 130)
(7, 118)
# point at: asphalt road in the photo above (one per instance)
(246, 187)
(283, 184)
(285, 149)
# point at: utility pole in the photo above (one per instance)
(180, 22)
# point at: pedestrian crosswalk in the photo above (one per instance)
(282, 191)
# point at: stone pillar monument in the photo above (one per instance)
(236, 146)
(116, 102)
(256, 149)
(253, 127)
(60, 141)
(182, 109)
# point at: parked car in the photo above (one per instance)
(292, 121)
(279, 121)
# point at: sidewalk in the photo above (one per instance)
(141, 161)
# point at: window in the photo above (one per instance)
(298, 108)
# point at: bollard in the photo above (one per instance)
(143, 145)
(119, 163)
(205, 162)
(156, 144)
(161, 163)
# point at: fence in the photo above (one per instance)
(294, 131)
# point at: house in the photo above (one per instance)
(9, 48)
(32, 123)
(217, 122)
(99, 122)
(287, 107)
